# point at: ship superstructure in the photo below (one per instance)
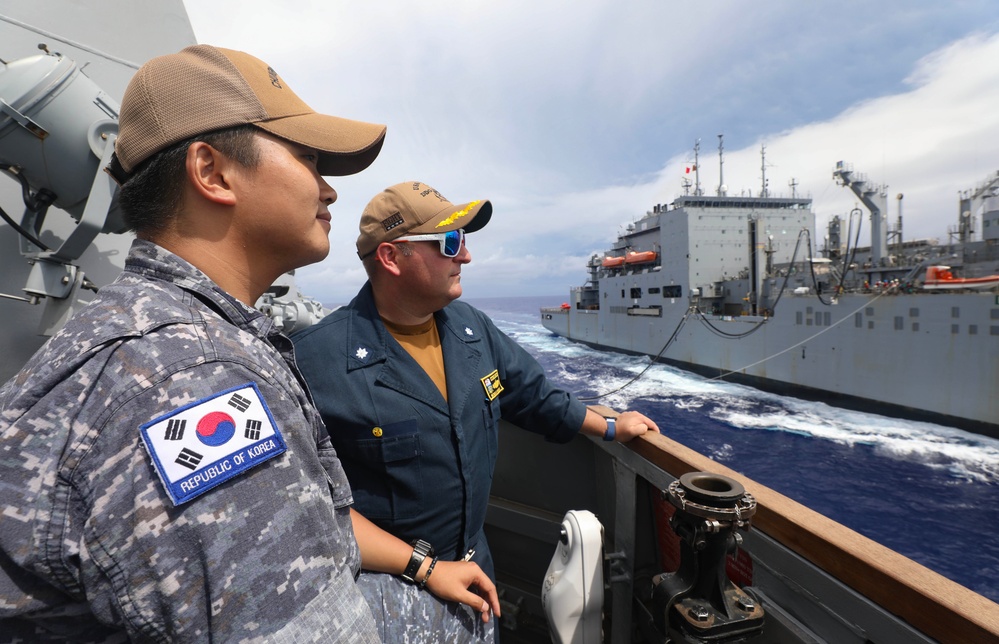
(736, 287)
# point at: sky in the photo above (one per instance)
(576, 118)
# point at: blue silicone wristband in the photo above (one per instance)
(611, 429)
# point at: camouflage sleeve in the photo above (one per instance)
(264, 555)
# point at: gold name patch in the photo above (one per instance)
(492, 385)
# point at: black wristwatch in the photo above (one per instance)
(421, 550)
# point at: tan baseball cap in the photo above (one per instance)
(414, 208)
(204, 88)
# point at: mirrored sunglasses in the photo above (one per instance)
(451, 241)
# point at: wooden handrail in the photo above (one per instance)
(933, 604)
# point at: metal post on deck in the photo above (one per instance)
(621, 558)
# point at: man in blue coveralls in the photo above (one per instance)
(412, 384)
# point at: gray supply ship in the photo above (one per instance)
(593, 541)
(735, 287)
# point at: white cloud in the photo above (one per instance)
(574, 118)
(927, 143)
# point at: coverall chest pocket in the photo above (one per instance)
(392, 480)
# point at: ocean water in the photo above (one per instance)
(926, 491)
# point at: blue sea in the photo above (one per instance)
(926, 491)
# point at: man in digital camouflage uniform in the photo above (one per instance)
(412, 383)
(163, 473)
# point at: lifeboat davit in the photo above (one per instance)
(612, 262)
(640, 257)
(940, 278)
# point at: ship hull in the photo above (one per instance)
(927, 357)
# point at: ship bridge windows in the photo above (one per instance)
(653, 290)
(672, 291)
(636, 292)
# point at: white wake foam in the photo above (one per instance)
(959, 453)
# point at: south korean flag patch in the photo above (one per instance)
(204, 444)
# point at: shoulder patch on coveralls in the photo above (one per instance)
(210, 441)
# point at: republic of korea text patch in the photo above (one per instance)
(212, 440)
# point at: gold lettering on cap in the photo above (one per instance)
(392, 221)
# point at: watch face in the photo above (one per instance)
(421, 549)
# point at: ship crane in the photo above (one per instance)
(765, 185)
(697, 169)
(971, 204)
(722, 188)
(875, 198)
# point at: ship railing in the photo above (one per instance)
(854, 588)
